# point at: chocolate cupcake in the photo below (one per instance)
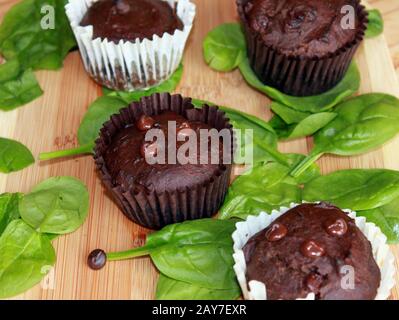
(313, 251)
(131, 44)
(302, 47)
(154, 179)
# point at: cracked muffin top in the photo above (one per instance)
(310, 28)
(313, 248)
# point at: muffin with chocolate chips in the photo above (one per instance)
(302, 47)
(143, 160)
(131, 44)
(313, 249)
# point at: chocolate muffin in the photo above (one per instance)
(310, 249)
(129, 20)
(157, 182)
(131, 45)
(126, 156)
(301, 47)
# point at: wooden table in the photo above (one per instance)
(51, 123)
(390, 11)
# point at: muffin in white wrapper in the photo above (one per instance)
(128, 65)
(255, 290)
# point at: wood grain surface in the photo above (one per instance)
(51, 122)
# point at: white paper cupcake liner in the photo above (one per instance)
(131, 65)
(255, 290)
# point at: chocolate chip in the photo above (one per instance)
(276, 232)
(97, 259)
(149, 149)
(337, 227)
(184, 125)
(314, 281)
(145, 123)
(312, 249)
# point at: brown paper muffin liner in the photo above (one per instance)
(296, 75)
(155, 210)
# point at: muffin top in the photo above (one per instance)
(125, 157)
(310, 28)
(313, 248)
(131, 19)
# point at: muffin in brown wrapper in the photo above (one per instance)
(151, 208)
(296, 73)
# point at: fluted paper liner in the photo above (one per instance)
(255, 290)
(131, 65)
(297, 75)
(155, 210)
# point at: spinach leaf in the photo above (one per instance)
(311, 173)
(23, 37)
(17, 86)
(170, 289)
(98, 113)
(8, 209)
(362, 124)
(25, 258)
(167, 86)
(265, 187)
(387, 218)
(355, 189)
(376, 24)
(196, 252)
(313, 104)
(256, 134)
(14, 156)
(101, 111)
(288, 114)
(58, 205)
(306, 127)
(224, 47)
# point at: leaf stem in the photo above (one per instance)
(84, 149)
(305, 164)
(133, 253)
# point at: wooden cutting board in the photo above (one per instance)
(51, 123)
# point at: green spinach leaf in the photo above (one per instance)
(376, 24)
(170, 289)
(196, 252)
(311, 173)
(17, 86)
(288, 114)
(356, 189)
(58, 205)
(14, 156)
(362, 124)
(23, 37)
(265, 187)
(304, 128)
(167, 86)
(8, 209)
(224, 47)
(98, 113)
(387, 218)
(25, 258)
(312, 104)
